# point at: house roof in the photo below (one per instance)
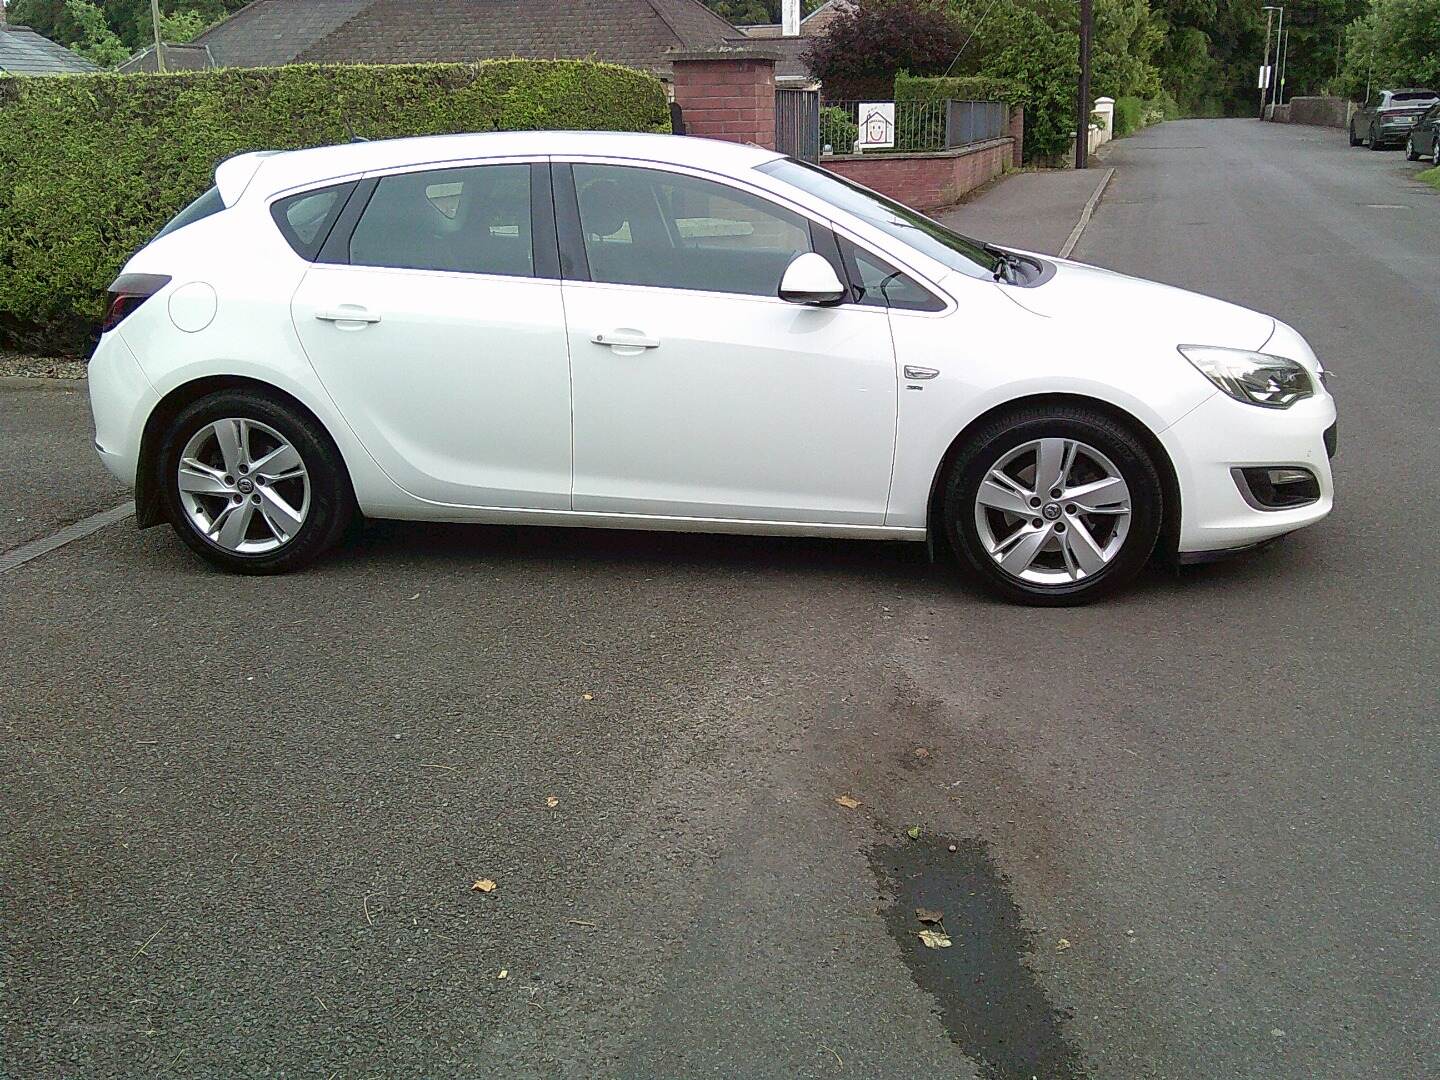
(636, 33)
(24, 52)
(177, 58)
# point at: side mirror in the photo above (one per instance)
(810, 279)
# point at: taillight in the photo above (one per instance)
(128, 292)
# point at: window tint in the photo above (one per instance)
(646, 227)
(881, 285)
(1414, 95)
(471, 221)
(306, 219)
(203, 207)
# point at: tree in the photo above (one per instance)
(94, 39)
(127, 20)
(1395, 43)
(863, 48)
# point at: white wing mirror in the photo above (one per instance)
(810, 279)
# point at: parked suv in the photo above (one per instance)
(1424, 140)
(1386, 117)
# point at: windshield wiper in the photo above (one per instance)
(1007, 264)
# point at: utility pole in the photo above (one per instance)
(1083, 104)
(1264, 80)
(155, 25)
(1279, 33)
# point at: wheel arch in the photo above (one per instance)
(148, 504)
(1169, 541)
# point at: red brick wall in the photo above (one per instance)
(927, 181)
(724, 98)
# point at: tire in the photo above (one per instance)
(1063, 568)
(1373, 142)
(1411, 154)
(1354, 139)
(271, 500)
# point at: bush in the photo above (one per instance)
(1129, 116)
(837, 130)
(962, 88)
(867, 43)
(91, 166)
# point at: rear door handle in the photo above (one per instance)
(347, 313)
(624, 340)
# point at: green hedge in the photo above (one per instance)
(91, 166)
(1129, 116)
(963, 88)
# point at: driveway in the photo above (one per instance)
(1193, 828)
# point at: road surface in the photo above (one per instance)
(1194, 828)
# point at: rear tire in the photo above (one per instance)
(1411, 154)
(1373, 141)
(1031, 546)
(253, 485)
(1354, 139)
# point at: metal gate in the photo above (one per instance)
(797, 123)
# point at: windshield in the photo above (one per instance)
(1414, 95)
(203, 207)
(924, 234)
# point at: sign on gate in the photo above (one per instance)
(877, 125)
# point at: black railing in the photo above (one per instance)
(913, 126)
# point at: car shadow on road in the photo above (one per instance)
(861, 564)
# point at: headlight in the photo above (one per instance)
(1272, 382)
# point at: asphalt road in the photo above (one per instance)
(242, 817)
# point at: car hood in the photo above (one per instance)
(1113, 303)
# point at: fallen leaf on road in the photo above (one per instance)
(552, 802)
(483, 884)
(921, 752)
(928, 915)
(1062, 944)
(504, 973)
(913, 832)
(847, 802)
(588, 696)
(935, 939)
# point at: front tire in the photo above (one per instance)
(252, 485)
(1053, 506)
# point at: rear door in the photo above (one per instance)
(434, 319)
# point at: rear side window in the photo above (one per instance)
(203, 207)
(473, 220)
(305, 220)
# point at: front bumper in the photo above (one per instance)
(1222, 435)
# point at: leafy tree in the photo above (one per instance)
(1395, 43)
(863, 48)
(95, 40)
(127, 20)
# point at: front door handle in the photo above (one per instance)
(625, 340)
(347, 313)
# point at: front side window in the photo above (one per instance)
(472, 220)
(911, 228)
(881, 285)
(648, 227)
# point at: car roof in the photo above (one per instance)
(267, 172)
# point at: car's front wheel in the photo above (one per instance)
(252, 485)
(1053, 505)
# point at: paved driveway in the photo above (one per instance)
(243, 817)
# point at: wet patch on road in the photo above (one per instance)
(991, 1003)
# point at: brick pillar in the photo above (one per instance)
(727, 93)
(1017, 132)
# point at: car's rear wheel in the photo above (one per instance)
(1054, 506)
(1354, 139)
(1411, 154)
(252, 485)
(1373, 140)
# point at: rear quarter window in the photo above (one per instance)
(203, 207)
(305, 220)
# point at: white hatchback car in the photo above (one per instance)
(658, 332)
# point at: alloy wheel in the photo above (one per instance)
(1053, 511)
(243, 486)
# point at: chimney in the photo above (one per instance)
(790, 18)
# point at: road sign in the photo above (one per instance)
(1264, 83)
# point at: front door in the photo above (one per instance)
(698, 393)
(441, 343)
